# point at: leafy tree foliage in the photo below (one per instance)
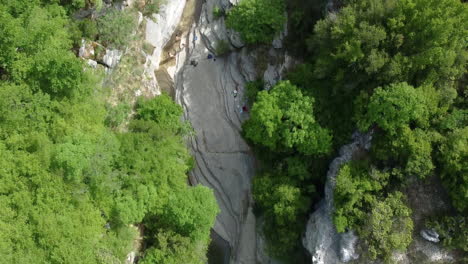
(453, 231)
(284, 204)
(172, 248)
(356, 190)
(282, 120)
(397, 67)
(418, 41)
(454, 163)
(394, 107)
(69, 185)
(192, 213)
(116, 28)
(258, 21)
(389, 227)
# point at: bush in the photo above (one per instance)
(88, 28)
(116, 28)
(151, 7)
(284, 204)
(222, 47)
(357, 188)
(258, 21)
(282, 120)
(218, 12)
(453, 159)
(453, 231)
(116, 115)
(388, 227)
(252, 89)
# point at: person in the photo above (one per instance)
(194, 63)
(245, 109)
(234, 93)
(209, 56)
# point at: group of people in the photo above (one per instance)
(242, 109)
(235, 92)
(210, 56)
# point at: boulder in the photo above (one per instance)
(111, 58)
(235, 39)
(92, 63)
(347, 247)
(86, 50)
(430, 235)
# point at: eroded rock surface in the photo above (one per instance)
(224, 161)
(321, 239)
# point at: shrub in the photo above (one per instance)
(252, 89)
(258, 21)
(88, 29)
(116, 115)
(222, 47)
(218, 12)
(151, 7)
(389, 227)
(453, 231)
(116, 28)
(282, 120)
(356, 189)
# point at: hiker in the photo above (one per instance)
(194, 63)
(234, 93)
(209, 57)
(245, 109)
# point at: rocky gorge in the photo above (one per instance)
(211, 90)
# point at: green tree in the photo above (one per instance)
(379, 42)
(282, 120)
(395, 106)
(192, 213)
(258, 21)
(453, 231)
(172, 248)
(116, 28)
(284, 205)
(453, 159)
(357, 188)
(389, 227)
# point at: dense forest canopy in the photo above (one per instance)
(77, 188)
(71, 186)
(395, 68)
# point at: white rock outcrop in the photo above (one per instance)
(321, 239)
(161, 26)
(112, 57)
(430, 235)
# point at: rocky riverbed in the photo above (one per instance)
(211, 90)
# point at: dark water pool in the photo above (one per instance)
(219, 251)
